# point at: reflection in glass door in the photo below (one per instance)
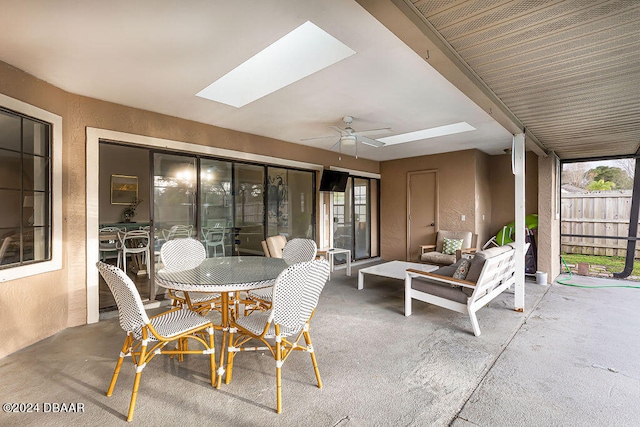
(343, 221)
(216, 219)
(174, 197)
(290, 203)
(362, 223)
(248, 232)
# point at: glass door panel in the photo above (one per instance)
(216, 219)
(343, 221)
(248, 232)
(290, 203)
(174, 197)
(362, 223)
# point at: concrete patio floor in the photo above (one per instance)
(570, 359)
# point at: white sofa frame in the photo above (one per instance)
(498, 274)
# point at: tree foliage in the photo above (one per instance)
(601, 185)
(614, 174)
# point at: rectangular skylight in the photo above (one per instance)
(427, 133)
(302, 52)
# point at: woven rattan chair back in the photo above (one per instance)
(182, 254)
(130, 309)
(299, 250)
(296, 292)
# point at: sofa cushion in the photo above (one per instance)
(450, 246)
(437, 258)
(448, 270)
(439, 289)
(478, 261)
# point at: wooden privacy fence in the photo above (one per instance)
(601, 214)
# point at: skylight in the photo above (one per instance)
(302, 52)
(427, 133)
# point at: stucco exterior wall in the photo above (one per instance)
(548, 222)
(483, 198)
(503, 190)
(36, 307)
(457, 188)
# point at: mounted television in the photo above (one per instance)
(333, 181)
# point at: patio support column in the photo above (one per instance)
(517, 166)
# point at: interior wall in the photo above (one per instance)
(503, 190)
(457, 188)
(39, 306)
(129, 161)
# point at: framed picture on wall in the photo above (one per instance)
(124, 189)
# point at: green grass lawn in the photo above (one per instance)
(613, 264)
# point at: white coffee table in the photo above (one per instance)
(393, 270)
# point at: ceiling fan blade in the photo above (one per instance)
(318, 137)
(337, 129)
(369, 141)
(373, 131)
(336, 145)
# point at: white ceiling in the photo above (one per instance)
(156, 55)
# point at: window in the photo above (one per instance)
(25, 177)
(30, 229)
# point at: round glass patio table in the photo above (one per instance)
(224, 275)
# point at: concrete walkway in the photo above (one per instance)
(569, 359)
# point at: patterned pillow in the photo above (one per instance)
(462, 270)
(450, 246)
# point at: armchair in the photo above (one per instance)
(437, 254)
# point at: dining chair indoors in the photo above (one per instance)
(135, 242)
(295, 296)
(178, 232)
(108, 241)
(185, 254)
(149, 336)
(214, 238)
(296, 250)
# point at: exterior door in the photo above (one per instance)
(422, 209)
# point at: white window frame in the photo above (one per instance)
(55, 263)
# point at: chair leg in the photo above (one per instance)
(126, 348)
(230, 356)
(307, 339)
(136, 381)
(278, 373)
(474, 323)
(212, 356)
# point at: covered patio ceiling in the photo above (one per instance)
(564, 71)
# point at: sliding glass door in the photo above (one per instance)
(355, 218)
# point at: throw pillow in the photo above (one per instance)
(450, 246)
(462, 270)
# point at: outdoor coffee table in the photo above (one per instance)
(330, 253)
(393, 270)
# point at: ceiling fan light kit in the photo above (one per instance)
(349, 136)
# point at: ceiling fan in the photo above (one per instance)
(349, 136)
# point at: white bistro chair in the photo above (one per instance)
(295, 297)
(148, 336)
(184, 254)
(294, 251)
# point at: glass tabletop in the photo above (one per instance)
(224, 274)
